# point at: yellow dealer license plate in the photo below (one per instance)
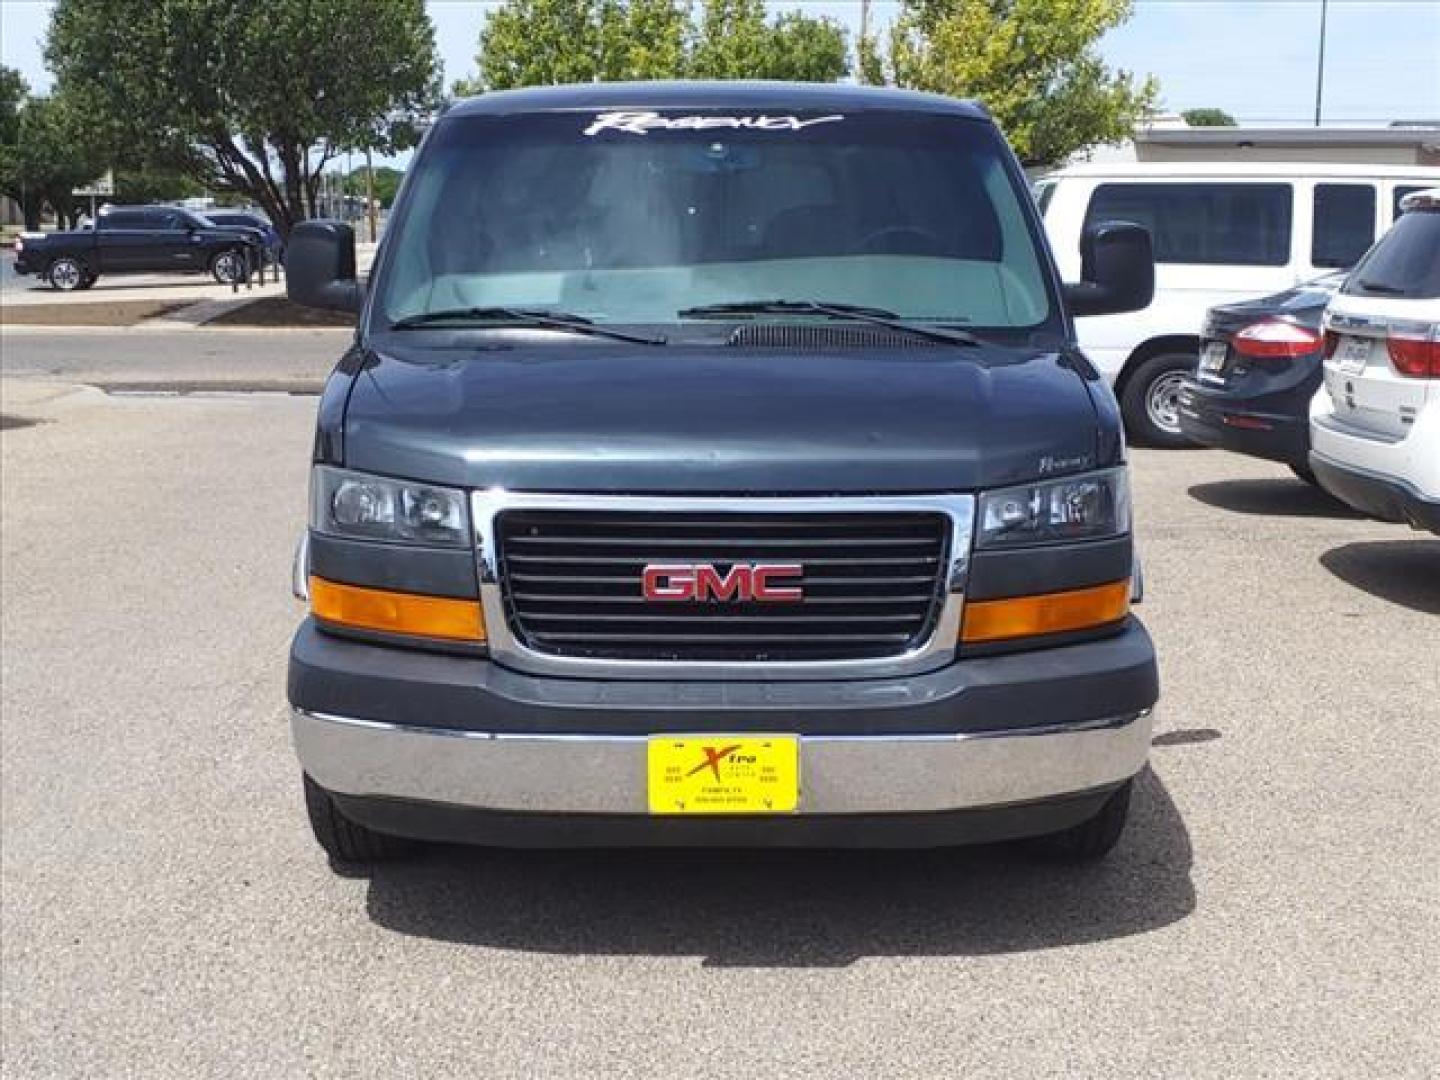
(718, 774)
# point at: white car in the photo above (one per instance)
(1222, 232)
(1375, 422)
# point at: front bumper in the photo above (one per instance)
(458, 748)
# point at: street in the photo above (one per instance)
(1271, 910)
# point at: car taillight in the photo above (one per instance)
(1275, 339)
(1415, 351)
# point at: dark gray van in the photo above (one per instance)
(714, 464)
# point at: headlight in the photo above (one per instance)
(1089, 507)
(365, 507)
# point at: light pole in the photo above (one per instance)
(1320, 64)
(370, 196)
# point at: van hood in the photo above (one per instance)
(523, 413)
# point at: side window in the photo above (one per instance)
(150, 221)
(1205, 224)
(120, 219)
(1400, 193)
(1344, 224)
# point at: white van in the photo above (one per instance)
(1222, 231)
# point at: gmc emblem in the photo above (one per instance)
(703, 583)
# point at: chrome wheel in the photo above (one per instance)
(1162, 402)
(66, 275)
(228, 268)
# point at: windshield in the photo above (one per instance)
(637, 217)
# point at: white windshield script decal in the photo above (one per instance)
(639, 123)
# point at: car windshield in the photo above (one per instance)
(645, 217)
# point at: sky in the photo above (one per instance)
(1256, 59)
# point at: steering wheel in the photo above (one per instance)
(922, 242)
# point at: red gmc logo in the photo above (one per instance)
(703, 583)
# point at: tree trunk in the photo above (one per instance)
(243, 175)
(31, 210)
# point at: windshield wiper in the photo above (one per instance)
(529, 317)
(855, 312)
(1381, 288)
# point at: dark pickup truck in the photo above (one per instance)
(140, 240)
(714, 464)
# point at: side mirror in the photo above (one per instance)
(320, 266)
(1117, 268)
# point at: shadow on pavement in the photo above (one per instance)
(1285, 498)
(1186, 737)
(1404, 572)
(786, 908)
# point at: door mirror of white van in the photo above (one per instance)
(1117, 268)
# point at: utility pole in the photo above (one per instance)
(370, 210)
(1320, 65)
(864, 36)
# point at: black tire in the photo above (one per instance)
(1148, 401)
(343, 840)
(1302, 472)
(66, 274)
(1092, 839)
(90, 279)
(228, 267)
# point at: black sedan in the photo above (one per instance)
(1260, 364)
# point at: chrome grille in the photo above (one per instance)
(572, 579)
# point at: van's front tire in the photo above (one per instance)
(1150, 401)
(1092, 839)
(343, 840)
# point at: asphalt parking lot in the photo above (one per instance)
(1272, 910)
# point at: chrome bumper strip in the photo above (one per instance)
(605, 774)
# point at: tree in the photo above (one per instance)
(44, 152)
(143, 185)
(209, 89)
(13, 92)
(544, 42)
(803, 49)
(1032, 63)
(387, 184)
(1208, 118)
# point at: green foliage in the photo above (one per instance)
(871, 68)
(13, 93)
(1032, 63)
(249, 98)
(1208, 118)
(541, 42)
(730, 41)
(44, 151)
(387, 184)
(154, 185)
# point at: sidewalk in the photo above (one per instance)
(158, 301)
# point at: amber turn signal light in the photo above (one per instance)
(396, 612)
(1048, 613)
